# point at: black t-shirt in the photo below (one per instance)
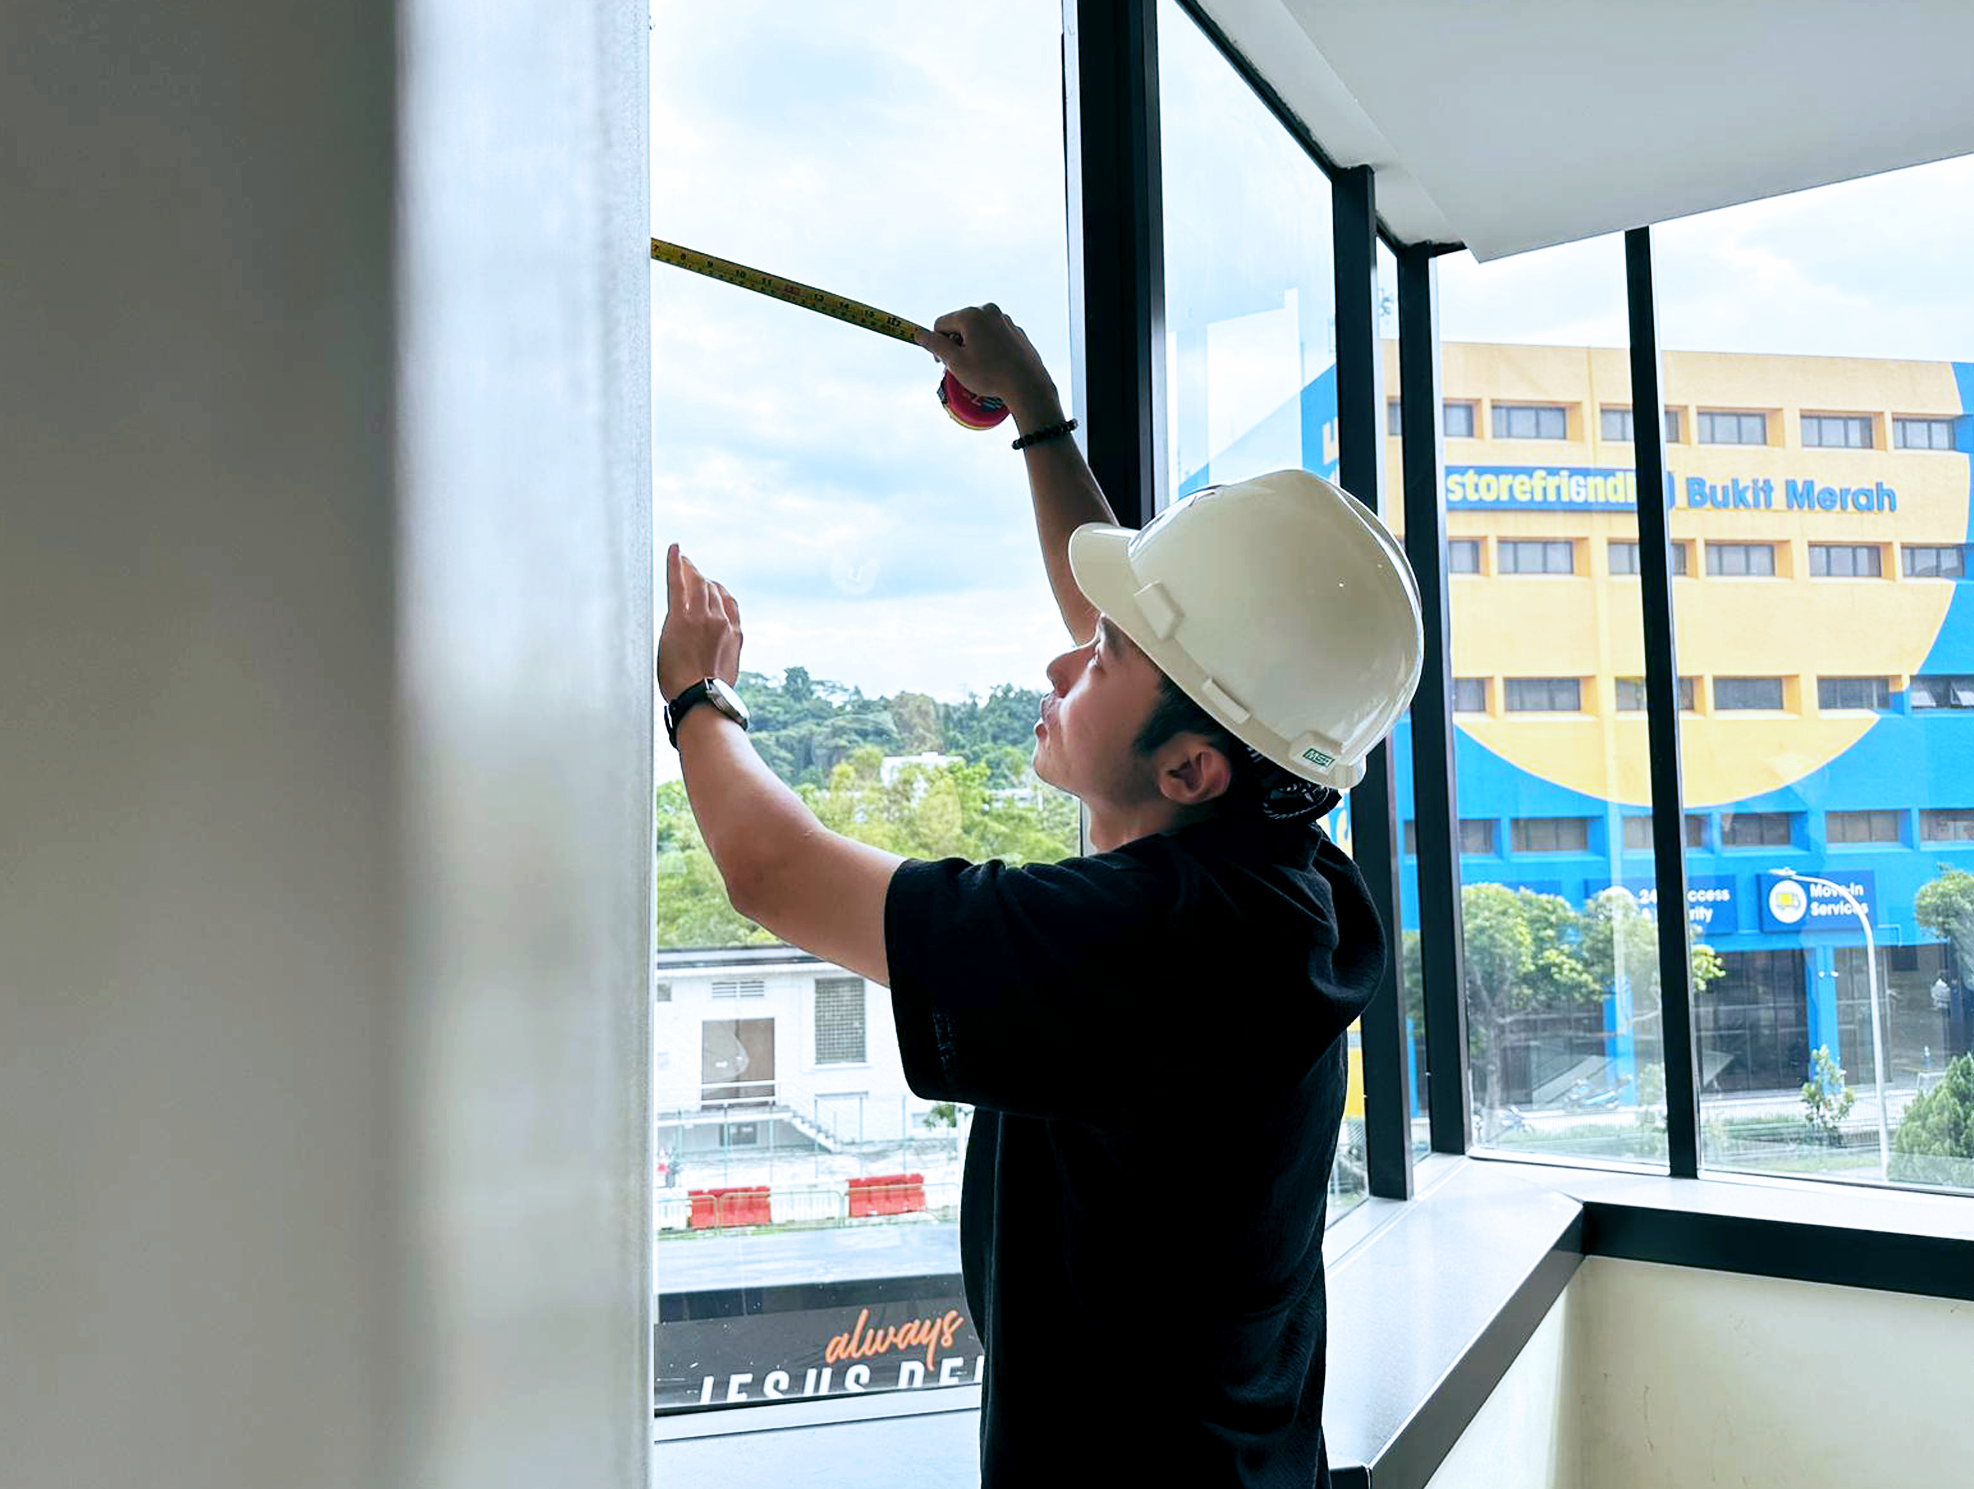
(1152, 1038)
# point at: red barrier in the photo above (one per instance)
(714, 1209)
(886, 1194)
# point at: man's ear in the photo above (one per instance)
(1194, 772)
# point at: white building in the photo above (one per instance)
(767, 1048)
(930, 759)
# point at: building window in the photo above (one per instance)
(1631, 695)
(1846, 561)
(1755, 830)
(1837, 432)
(1862, 827)
(1394, 416)
(1747, 694)
(1470, 695)
(840, 1021)
(1550, 834)
(1545, 695)
(740, 987)
(661, 992)
(1922, 434)
(1947, 824)
(1534, 556)
(1463, 556)
(1718, 427)
(1935, 561)
(1735, 560)
(1942, 691)
(1874, 693)
(1531, 421)
(1456, 420)
(1476, 834)
(1639, 837)
(1614, 423)
(1624, 556)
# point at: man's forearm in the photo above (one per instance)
(1066, 496)
(744, 811)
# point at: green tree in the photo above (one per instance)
(924, 812)
(1945, 906)
(688, 894)
(1827, 1100)
(916, 718)
(1522, 955)
(1006, 716)
(1934, 1143)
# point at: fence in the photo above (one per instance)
(880, 1197)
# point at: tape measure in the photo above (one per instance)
(966, 407)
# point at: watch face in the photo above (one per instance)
(729, 699)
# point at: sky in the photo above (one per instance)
(910, 156)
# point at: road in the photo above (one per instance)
(691, 1263)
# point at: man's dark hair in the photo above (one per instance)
(1258, 788)
(1175, 713)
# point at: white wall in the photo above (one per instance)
(324, 777)
(1656, 1377)
(1693, 1377)
(1525, 1435)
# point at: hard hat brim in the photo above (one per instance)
(1100, 562)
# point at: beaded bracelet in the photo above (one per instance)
(1046, 432)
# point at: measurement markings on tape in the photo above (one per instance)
(775, 287)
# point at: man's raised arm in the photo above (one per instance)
(993, 356)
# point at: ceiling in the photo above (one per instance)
(1514, 124)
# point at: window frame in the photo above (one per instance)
(1708, 427)
(1502, 415)
(1552, 688)
(1845, 426)
(1745, 549)
(1903, 424)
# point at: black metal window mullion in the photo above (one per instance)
(1662, 720)
(1116, 248)
(1436, 807)
(1373, 801)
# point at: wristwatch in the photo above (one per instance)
(714, 691)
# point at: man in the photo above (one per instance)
(1172, 1004)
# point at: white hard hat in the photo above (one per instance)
(1280, 605)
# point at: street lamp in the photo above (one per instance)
(1877, 1026)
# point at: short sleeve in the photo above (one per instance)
(1030, 989)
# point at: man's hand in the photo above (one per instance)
(993, 357)
(701, 635)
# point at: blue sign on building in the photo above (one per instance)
(1791, 904)
(1710, 901)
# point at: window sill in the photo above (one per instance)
(1473, 1265)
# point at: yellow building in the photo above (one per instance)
(1824, 630)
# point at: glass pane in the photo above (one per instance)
(897, 627)
(1250, 315)
(1562, 982)
(1816, 1055)
(1250, 332)
(1464, 558)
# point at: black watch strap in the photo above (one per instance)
(677, 709)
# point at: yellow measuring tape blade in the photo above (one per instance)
(775, 287)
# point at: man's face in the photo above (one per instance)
(1104, 692)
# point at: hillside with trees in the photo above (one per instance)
(828, 742)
